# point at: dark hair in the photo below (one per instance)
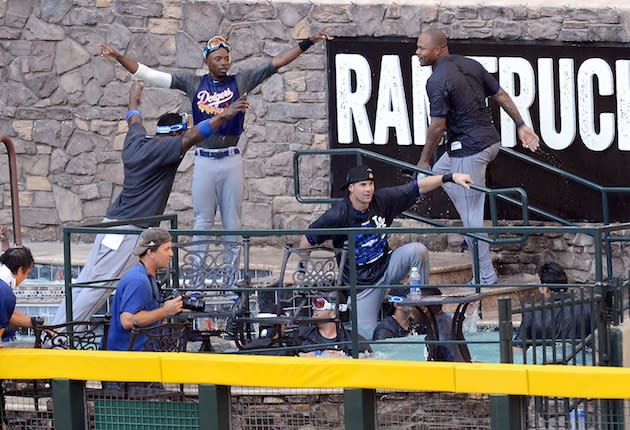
(17, 257)
(553, 273)
(431, 291)
(169, 119)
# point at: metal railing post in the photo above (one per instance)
(215, 407)
(507, 411)
(68, 404)
(359, 409)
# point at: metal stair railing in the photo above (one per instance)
(362, 153)
(15, 200)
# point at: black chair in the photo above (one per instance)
(83, 335)
(306, 273)
(166, 337)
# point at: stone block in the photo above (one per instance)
(185, 46)
(19, 95)
(17, 12)
(42, 57)
(256, 215)
(39, 217)
(82, 164)
(543, 28)
(369, 18)
(36, 165)
(70, 55)
(201, 21)
(105, 128)
(245, 12)
(23, 129)
(295, 81)
(25, 198)
(331, 13)
(290, 14)
(607, 33)
(43, 199)
(504, 29)
(68, 205)
(180, 201)
(95, 208)
(272, 89)
(144, 9)
(93, 92)
(82, 142)
(280, 165)
(53, 11)
(274, 186)
(58, 161)
(163, 26)
(115, 94)
(36, 29)
(37, 183)
(573, 35)
(71, 82)
(89, 191)
(103, 3)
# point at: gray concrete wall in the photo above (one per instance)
(63, 106)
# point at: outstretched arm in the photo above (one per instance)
(526, 134)
(135, 94)
(138, 70)
(430, 183)
(207, 127)
(288, 55)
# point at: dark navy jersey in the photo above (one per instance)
(372, 250)
(389, 328)
(457, 90)
(210, 97)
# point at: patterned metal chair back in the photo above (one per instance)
(83, 335)
(167, 337)
(210, 263)
(316, 267)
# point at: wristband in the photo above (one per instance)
(447, 178)
(133, 112)
(520, 124)
(305, 44)
(205, 129)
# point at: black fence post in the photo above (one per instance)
(68, 404)
(359, 409)
(507, 411)
(215, 407)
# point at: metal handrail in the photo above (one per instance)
(15, 200)
(603, 190)
(360, 153)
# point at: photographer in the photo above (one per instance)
(137, 299)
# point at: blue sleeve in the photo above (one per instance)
(332, 218)
(396, 200)
(438, 98)
(136, 296)
(7, 305)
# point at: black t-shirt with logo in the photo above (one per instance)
(371, 250)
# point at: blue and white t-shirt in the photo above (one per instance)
(371, 250)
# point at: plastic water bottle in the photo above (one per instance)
(578, 419)
(415, 292)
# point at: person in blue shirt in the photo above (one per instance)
(376, 263)
(138, 300)
(15, 266)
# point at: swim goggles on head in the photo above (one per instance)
(215, 43)
(167, 129)
(321, 304)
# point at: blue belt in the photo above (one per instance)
(218, 154)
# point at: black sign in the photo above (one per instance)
(576, 96)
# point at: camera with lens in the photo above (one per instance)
(192, 302)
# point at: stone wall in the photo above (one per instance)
(63, 105)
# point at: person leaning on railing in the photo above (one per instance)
(150, 165)
(376, 263)
(561, 318)
(16, 265)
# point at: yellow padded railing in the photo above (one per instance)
(301, 372)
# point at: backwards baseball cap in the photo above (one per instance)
(152, 237)
(358, 174)
(214, 43)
